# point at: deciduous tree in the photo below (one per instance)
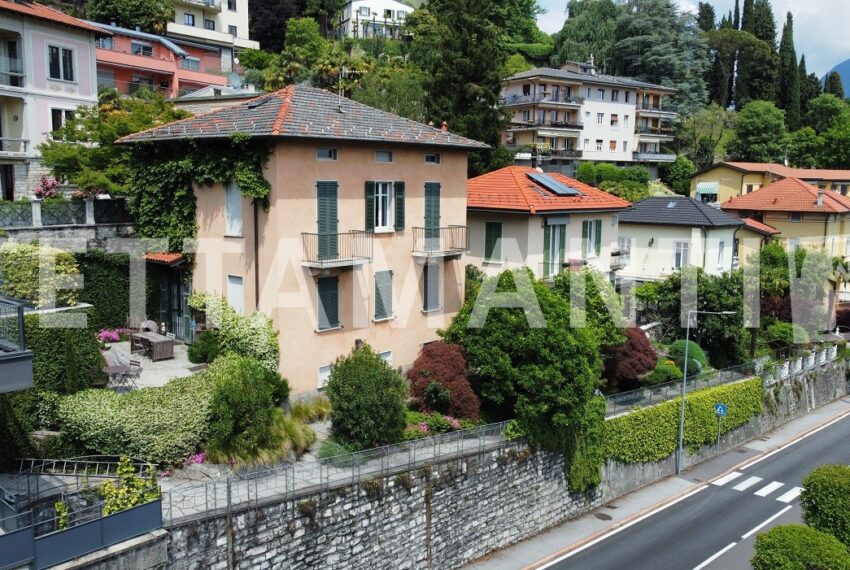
(149, 15)
(760, 134)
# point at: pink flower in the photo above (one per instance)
(453, 422)
(423, 427)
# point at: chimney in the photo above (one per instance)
(444, 126)
(430, 123)
(820, 197)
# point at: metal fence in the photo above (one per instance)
(448, 240)
(251, 489)
(113, 211)
(62, 213)
(15, 214)
(336, 249)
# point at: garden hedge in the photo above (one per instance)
(697, 361)
(20, 268)
(826, 500)
(798, 547)
(651, 434)
(106, 286)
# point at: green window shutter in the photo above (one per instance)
(399, 205)
(547, 245)
(598, 237)
(492, 235)
(383, 295)
(326, 205)
(370, 206)
(164, 297)
(562, 245)
(432, 205)
(585, 235)
(328, 288)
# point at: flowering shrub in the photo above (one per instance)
(196, 459)
(425, 425)
(113, 335)
(46, 188)
(438, 381)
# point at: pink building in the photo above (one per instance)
(129, 60)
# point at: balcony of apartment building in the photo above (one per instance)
(544, 98)
(656, 106)
(206, 5)
(544, 150)
(15, 359)
(336, 250)
(562, 123)
(656, 131)
(437, 242)
(653, 153)
(12, 75)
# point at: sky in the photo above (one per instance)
(819, 26)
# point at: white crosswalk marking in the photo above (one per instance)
(747, 484)
(727, 478)
(790, 495)
(768, 489)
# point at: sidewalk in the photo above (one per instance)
(625, 509)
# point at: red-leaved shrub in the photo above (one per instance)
(443, 364)
(627, 362)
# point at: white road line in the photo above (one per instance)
(768, 489)
(726, 478)
(790, 495)
(767, 522)
(798, 440)
(624, 527)
(716, 555)
(747, 484)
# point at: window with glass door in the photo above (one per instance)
(721, 251)
(591, 237)
(383, 206)
(554, 243)
(493, 242)
(681, 254)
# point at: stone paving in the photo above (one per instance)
(153, 373)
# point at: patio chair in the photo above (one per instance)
(133, 374)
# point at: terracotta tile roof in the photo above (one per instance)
(510, 189)
(789, 195)
(164, 258)
(783, 171)
(677, 211)
(298, 111)
(759, 227)
(45, 13)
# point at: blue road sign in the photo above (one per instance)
(721, 410)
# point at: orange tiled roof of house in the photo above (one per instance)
(787, 172)
(47, 13)
(789, 195)
(164, 258)
(511, 189)
(759, 227)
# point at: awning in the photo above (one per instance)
(708, 188)
(169, 259)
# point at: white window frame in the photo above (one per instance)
(387, 356)
(433, 159)
(62, 49)
(681, 254)
(625, 146)
(186, 16)
(612, 147)
(324, 375)
(385, 153)
(599, 143)
(600, 118)
(384, 197)
(625, 120)
(364, 11)
(333, 154)
(239, 305)
(233, 218)
(141, 45)
(600, 94)
(590, 248)
(721, 252)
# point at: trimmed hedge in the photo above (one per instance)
(697, 361)
(19, 266)
(106, 286)
(798, 547)
(651, 434)
(826, 500)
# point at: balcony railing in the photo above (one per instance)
(545, 150)
(324, 251)
(131, 87)
(573, 125)
(450, 241)
(663, 108)
(15, 359)
(41, 213)
(208, 4)
(9, 146)
(656, 131)
(654, 156)
(619, 259)
(541, 98)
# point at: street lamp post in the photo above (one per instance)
(680, 452)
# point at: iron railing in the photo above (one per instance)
(451, 240)
(63, 213)
(573, 125)
(214, 4)
(15, 214)
(656, 131)
(11, 326)
(112, 211)
(541, 98)
(132, 87)
(336, 250)
(550, 269)
(37, 213)
(654, 156)
(662, 108)
(87, 465)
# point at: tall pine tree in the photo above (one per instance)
(757, 66)
(706, 18)
(737, 16)
(809, 86)
(834, 85)
(789, 76)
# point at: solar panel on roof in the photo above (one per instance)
(551, 184)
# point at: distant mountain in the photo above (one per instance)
(843, 69)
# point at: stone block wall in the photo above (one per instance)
(445, 515)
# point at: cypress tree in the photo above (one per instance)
(834, 85)
(809, 87)
(747, 16)
(789, 76)
(737, 17)
(706, 17)
(757, 69)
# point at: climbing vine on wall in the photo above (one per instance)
(162, 198)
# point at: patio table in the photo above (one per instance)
(157, 346)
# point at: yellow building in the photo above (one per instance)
(726, 180)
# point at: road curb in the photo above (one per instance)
(643, 512)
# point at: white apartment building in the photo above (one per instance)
(373, 18)
(47, 70)
(220, 24)
(563, 116)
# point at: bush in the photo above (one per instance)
(19, 266)
(332, 448)
(438, 379)
(826, 500)
(316, 409)
(677, 174)
(798, 547)
(251, 335)
(782, 336)
(626, 189)
(14, 440)
(626, 363)
(205, 347)
(638, 174)
(368, 400)
(606, 172)
(697, 361)
(586, 173)
(665, 371)
(246, 424)
(106, 286)
(129, 490)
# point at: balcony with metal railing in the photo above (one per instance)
(663, 109)
(654, 156)
(15, 359)
(563, 99)
(534, 123)
(326, 251)
(451, 241)
(659, 132)
(214, 5)
(545, 150)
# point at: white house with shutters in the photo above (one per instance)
(373, 19)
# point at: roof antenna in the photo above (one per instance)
(342, 73)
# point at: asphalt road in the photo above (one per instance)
(714, 528)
